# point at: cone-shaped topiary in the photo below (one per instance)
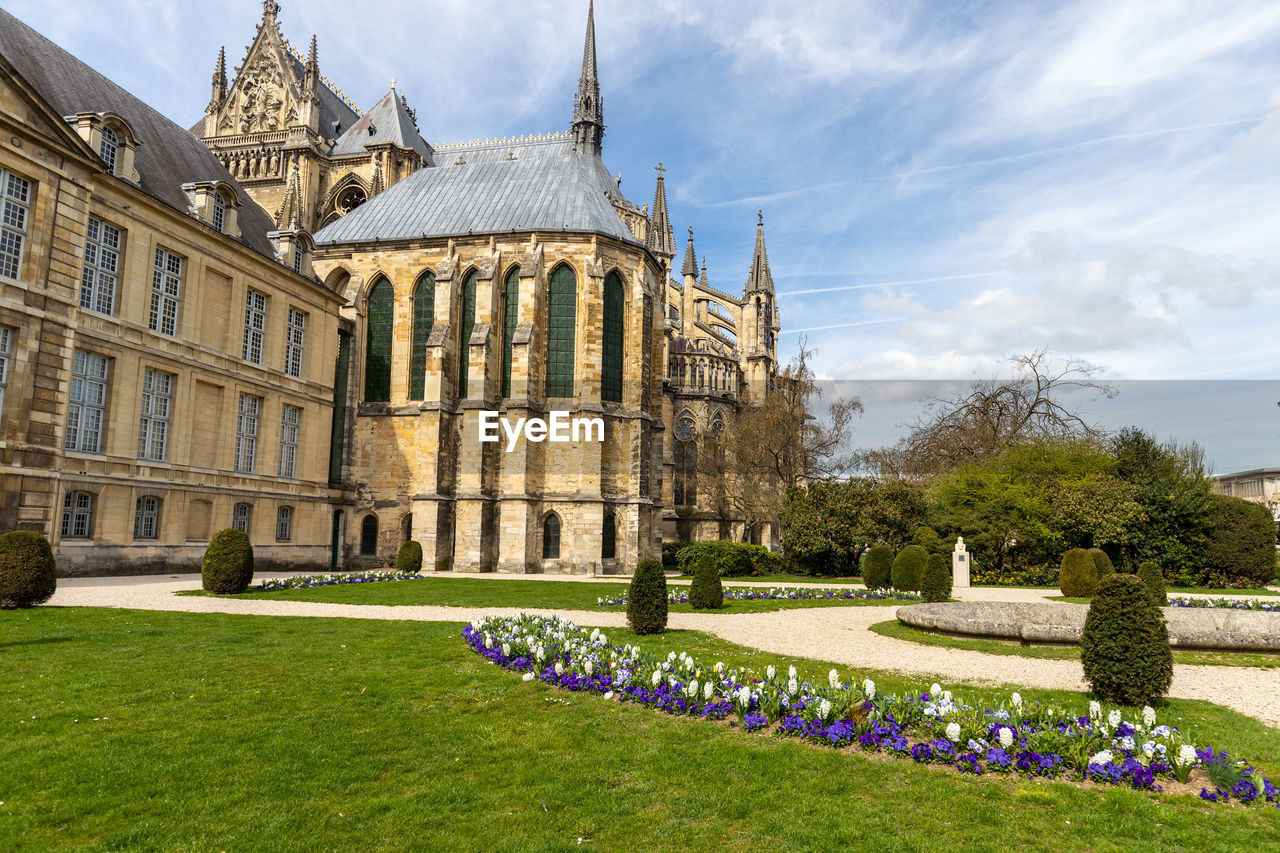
(936, 584)
(877, 567)
(409, 558)
(28, 575)
(908, 568)
(1078, 576)
(706, 592)
(1153, 579)
(227, 567)
(647, 598)
(1125, 645)
(1102, 563)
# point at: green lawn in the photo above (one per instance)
(477, 592)
(894, 628)
(785, 579)
(221, 732)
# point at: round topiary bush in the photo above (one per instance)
(1153, 579)
(409, 558)
(1078, 576)
(908, 568)
(647, 598)
(936, 584)
(928, 539)
(706, 592)
(227, 567)
(1125, 645)
(1102, 563)
(28, 575)
(877, 567)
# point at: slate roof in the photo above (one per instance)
(332, 108)
(168, 155)
(490, 188)
(390, 122)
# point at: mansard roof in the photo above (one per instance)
(494, 187)
(168, 155)
(387, 122)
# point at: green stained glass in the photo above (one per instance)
(464, 331)
(551, 537)
(561, 318)
(512, 313)
(611, 381)
(379, 318)
(424, 316)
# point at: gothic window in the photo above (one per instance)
(511, 312)
(609, 537)
(611, 382)
(561, 319)
(424, 317)
(77, 515)
(551, 537)
(101, 267)
(350, 199)
(379, 314)
(685, 456)
(146, 519)
(464, 330)
(369, 536)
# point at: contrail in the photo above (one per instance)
(842, 326)
(893, 283)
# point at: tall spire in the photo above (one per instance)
(219, 80)
(290, 215)
(588, 111)
(760, 279)
(311, 70)
(662, 240)
(690, 258)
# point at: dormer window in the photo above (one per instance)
(293, 250)
(216, 204)
(297, 258)
(109, 149)
(219, 211)
(113, 139)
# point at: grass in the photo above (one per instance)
(895, 629)
(785, 578)
(476, 592)
(229, 732)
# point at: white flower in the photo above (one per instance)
(488, 641)
(657, 677)
(604, 641)
(1006, 737)
(671, 656)
(559, 668)
(793, 686)
(541, 654)
(1186, 755)
(692, 690)
(1095, 710)
(1103, 757)
(719, 666)
(869, 688)
(935, 689)
(791, 673)
(595, 632)
(707, 690)
(744, 696)
(1017, 700)
(599, 601)
(769, 673)
(588, 667)
(1126, 742)
(953, 732)
(824, 709)
(833, 678)
(528, 676)
(1149, 749)
(1148, 716)
(609, 695)
(1114, 718)
(946, 696)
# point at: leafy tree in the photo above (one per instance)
(826, 525)
(1242, 543)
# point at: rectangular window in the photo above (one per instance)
(297, 259)
(255, 324)
(6, 342)
(77, 515)
(166, 288)
(153, 431)
(284, 524)
(240, 518)
(247, 433)
(87, 412)
(16, 202)
(146, 520)
(293, 342)
(289, 439)
(219, 212)
(101, 267)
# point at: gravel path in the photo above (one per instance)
(836, 634)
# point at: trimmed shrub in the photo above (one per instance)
(1078, 576)
(706, 592)
(763, 561)
(908, 568)
(1242, 543)
(647, 599)
(409, 558)
(227, 567)
(1153, 579)
(670, 550)
(936, 584)
(877, 567)
(1102, 563)
(928, 539)
(732, 559)
(28, 574)
(1125, 645)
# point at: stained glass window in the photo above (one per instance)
(551, 537)
(377, 365)
(369, 536)
(609, 538)
(424, 317)
(511, 305)
(611, 381)
(464, 331)
(561, 317)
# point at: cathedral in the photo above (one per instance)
(443, 282)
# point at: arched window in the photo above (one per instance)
(611, 381)
(685, 456)
(109, 149)
(77, 515)
(406, 528)
(240, 517)
(379, 316)
(369, 536)
(561, 318)
(609, 537)
(424, 317)
(551, 537)
(511, 312)
(146, 518)
(465, 326)
(284, 524)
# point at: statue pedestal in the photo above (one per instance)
(959, 565)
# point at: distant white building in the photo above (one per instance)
(1260, 485)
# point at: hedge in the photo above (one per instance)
(409, 558)
(28, 574)
(1242, 543)
(936, 584)
(908, 568)
(1153, 580)
(732, 559)
(1078, 576)
(877, 572)
(227, 567)
(1125, 646)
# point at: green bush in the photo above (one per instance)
(28, 575)
(1150, 575)
(928, 539)
(732, 559)
(1078, 576)
(227, 567)
(670, 550)
(1125, 645)
(1242, 543)
(763, 561)
(936, 584)
(1102, 563)
(409, 558)
(706, 592)
(647, 599)
(877, 567)
(908, 568)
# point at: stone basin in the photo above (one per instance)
(1189, 628)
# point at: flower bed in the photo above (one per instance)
(313, 581)
(1030, 739)
(680, 595)
(1227, 603)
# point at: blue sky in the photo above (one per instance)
(947, 184)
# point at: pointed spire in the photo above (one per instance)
(219, 80)
(662, 239)
(703, 281)
(588, 111)
(311, 71)
(289, 217)
(270, 9)
(760, 279)
(690, 258)
(376, 185)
